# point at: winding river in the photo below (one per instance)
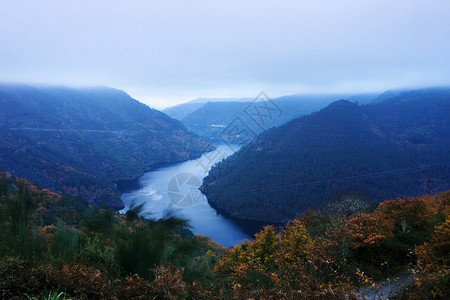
(173, 190)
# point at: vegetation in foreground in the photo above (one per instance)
(58, 247)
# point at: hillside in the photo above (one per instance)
(212, 119)
(395, 148)
(82, 141)
(178, 112)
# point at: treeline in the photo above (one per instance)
(52, 244)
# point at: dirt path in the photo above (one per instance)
(386, 289)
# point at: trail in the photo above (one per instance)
(64, 130)
(387, 288)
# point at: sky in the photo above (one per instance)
(171, 51)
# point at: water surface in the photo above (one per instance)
(174, 190)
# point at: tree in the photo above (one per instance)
(434, 263)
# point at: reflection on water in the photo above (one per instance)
(174, 190)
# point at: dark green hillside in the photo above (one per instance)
(81, 141)
(399, 147)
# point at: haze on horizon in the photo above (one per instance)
(167, 52)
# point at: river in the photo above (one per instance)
(173, 190)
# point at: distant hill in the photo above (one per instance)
(82, 141)
(213, 119)
(206, 100)
(180, 111)
(394, 148)
(388, 95)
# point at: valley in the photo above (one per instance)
(119, 188)
(215, 150)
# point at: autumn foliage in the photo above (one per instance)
(324, 255)
(433, 259)
(53, 243)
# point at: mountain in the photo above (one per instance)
(388, 95)
(214, 120)
(206, 100)
(395, 148)
(180, 111)
(82, 141)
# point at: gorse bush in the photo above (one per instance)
(97, 253)
(65, 241)
(19, 232)
(144, 245)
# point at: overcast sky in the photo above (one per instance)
(170, 51)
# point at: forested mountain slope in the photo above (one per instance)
(398, 147)
(80, 141)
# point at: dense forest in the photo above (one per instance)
(56, 246)
(397, 147)
(82, 141)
